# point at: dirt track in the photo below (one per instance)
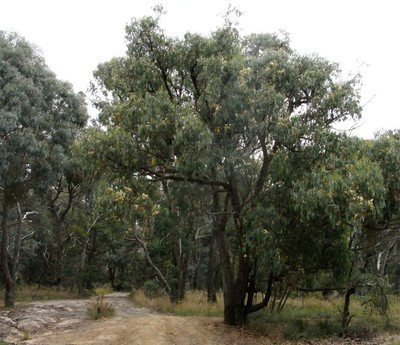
(65, 323)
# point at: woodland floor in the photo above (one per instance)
(65, 322)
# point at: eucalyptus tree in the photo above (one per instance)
(63, 196)
(383, 232)
(216, 111)
(39, 116)
(335, 201)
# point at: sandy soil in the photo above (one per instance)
(66, 323)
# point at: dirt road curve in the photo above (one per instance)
(65, 323)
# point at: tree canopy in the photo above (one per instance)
(243, 116)
(39, 117)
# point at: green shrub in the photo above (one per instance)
(151, 289)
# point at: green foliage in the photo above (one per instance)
(40, 115)
(248, 119)
(306, 329)
(39, 118)
(376, 300)
(151, 289)
(312, 317)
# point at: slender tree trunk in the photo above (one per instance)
(60, 255)
(197, 263)
(182, 273)
(17, 244)
(91, 259)
(111, 274)
(60, 213)
(8, 281)
(151, 263)
(346, 318)
(212, 262)
(10, 276)
(181, 258)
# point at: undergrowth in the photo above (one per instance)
(313, 317)
(194, 304)
(29, 293)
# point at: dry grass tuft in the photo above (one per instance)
(100, 309)
(194, 304)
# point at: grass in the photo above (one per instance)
(314, 317)
(103, 290)
(29, 293)
(100, 309)
(195, 304)
(25, 336)
(309, 317)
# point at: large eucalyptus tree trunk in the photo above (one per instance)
(234, 288)
(238, 284)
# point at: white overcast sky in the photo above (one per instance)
(362, 36)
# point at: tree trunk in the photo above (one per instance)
(346, 318)
(151, 263)
(60, 255)
(181, 257)
(182, 273)
(9, 284)
(212, 261)
(111, 274)
(219, 222)
(234, 290)
(17, 244)
(91, 259)
(197, 263)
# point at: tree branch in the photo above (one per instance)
(142, 243)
